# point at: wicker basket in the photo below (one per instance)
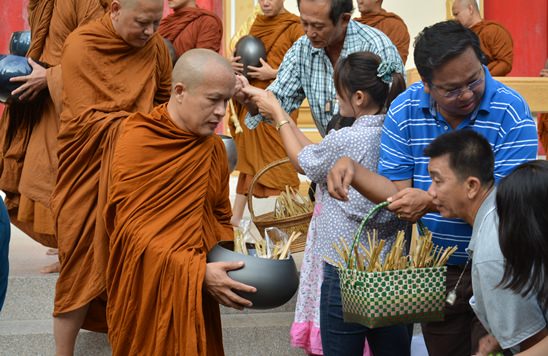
(298, 223)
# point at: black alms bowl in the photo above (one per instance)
(20, 43)
(250, 48)
(11, 66)
(231, 152)
(276, 280)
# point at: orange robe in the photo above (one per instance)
(168, 205)
(30, 177)
(543, 131)
(192, 27)
(104, 79)
(391, 25)
(263, 145)
(497, 45)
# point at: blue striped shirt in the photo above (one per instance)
(503, 118)
(307, 72)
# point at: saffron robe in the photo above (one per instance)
(104, 79)
(30, 161)
(497, 45)
(391, 25)
(168, 205)
(192, 27)
(263, 145)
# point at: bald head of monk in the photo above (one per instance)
(136, 21)
(369, 6)
(466, 12)
(272, 8)
(202, 83)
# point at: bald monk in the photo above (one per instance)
(111, 67)
(495, 41)
(191, 27)
(372, 14)
(168, 205)
(278, 29)
(29, 141)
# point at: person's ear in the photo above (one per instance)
(345, 19)
(426, 85)
(473, 187)
(180, 91)
(115, 9)
(360, 98)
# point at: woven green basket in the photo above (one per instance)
(376, 299)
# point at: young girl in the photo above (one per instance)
(365, 87)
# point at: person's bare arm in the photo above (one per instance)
(538, 349)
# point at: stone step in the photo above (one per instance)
(243, 335)
(30, 297)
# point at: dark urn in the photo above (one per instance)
(20, 43)
(11, 66)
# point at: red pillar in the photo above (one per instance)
(527, 22)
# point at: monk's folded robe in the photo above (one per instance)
(263, 145)
(30, 159)
(168, 205)
(391, 25)
(497, 45)
(192, 27)
(104, 79)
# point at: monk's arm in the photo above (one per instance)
(210, 34)
(163, 71)
(502, 51)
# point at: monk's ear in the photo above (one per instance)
(180, 90)
(115, 9)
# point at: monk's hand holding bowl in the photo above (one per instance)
(264, 72)
(221, 286)
(33, 83)
(236, 65)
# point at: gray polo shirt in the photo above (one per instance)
(508, 316)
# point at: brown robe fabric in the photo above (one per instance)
(30, 165)
(543, 131)
(263, 145)
(168, 205)
(391, 25)
(192, 27)
(104, 79)
(497, 45)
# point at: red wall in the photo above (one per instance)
(527, 22)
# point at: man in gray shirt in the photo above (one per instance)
(461, 167)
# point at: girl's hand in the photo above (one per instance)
(269, 106)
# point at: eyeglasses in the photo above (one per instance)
(453, 94)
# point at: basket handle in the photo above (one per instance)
(256, 178)
(420, 226)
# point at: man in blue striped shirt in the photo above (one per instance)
(307, 68)
(457, 92)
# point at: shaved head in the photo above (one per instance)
(465, 3)
(466, 12)
(136, 21)
(197, 65)
(132, 3)
(203, 83)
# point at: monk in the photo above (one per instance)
(29, 132)
(372, 14)
(495, 41)
(113, 66)
(278, 29)
(191, 27)
(168, 205)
